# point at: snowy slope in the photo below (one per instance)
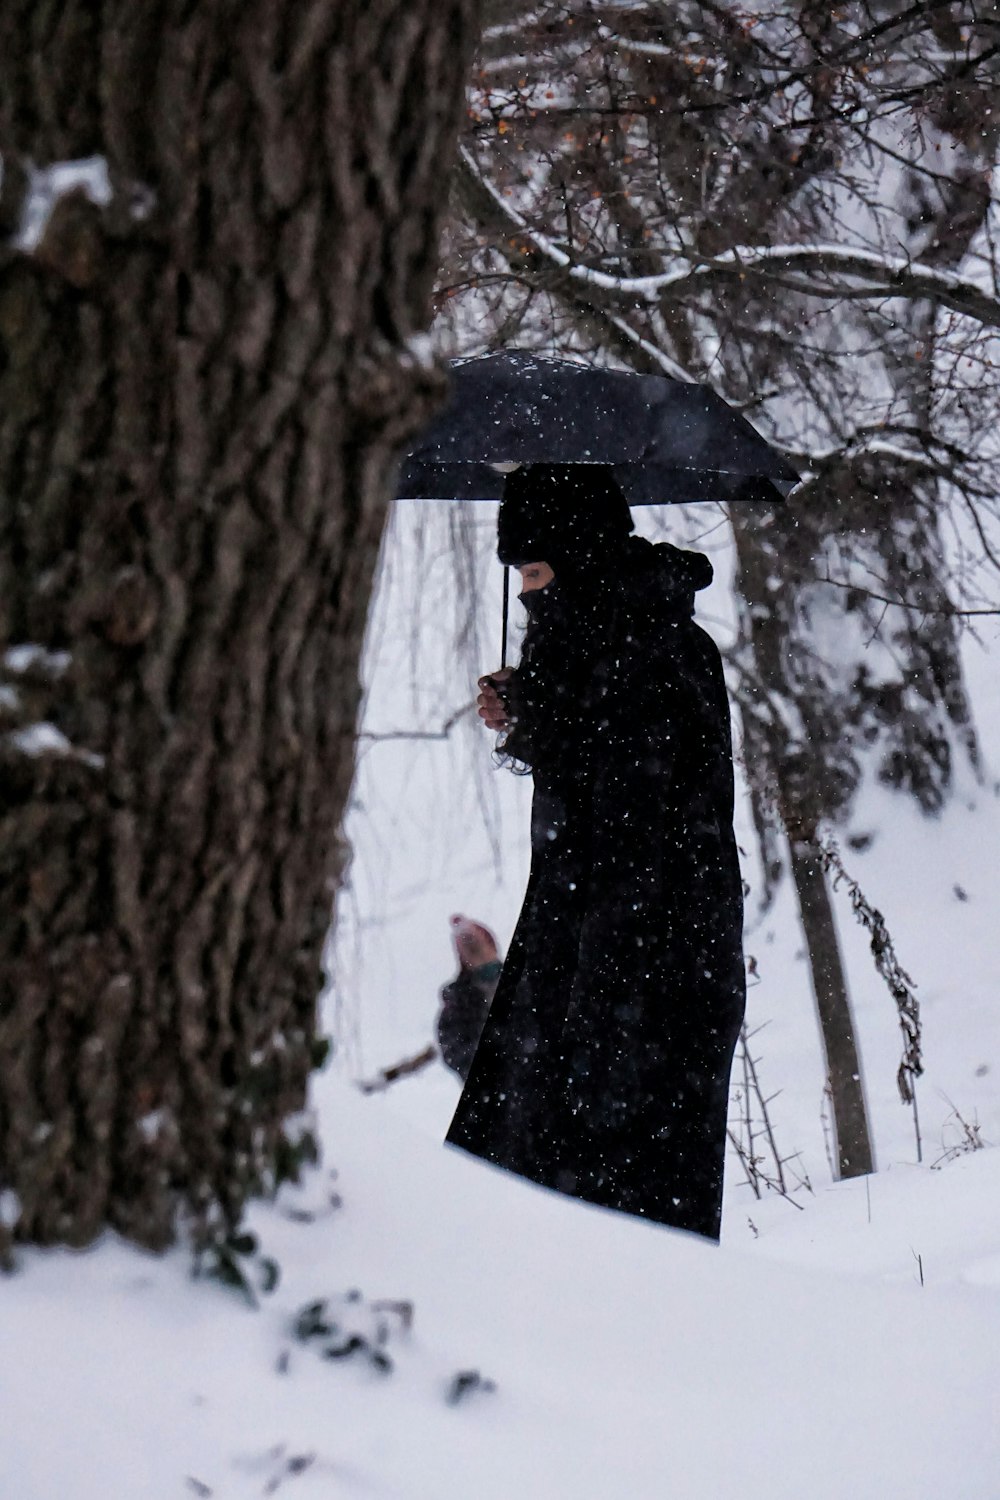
(804, 1358)
(627, 1359)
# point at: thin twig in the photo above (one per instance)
(759, 1175)
(419, 734)
(925, 609)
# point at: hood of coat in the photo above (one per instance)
(585, 615)
(662, 578)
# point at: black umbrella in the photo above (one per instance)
(667, 441)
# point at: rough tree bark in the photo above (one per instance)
(204, 386)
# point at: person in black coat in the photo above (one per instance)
(603, 1067)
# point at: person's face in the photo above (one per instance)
(534, 575)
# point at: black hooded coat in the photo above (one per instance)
(603, 1068)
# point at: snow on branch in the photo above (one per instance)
(508, 220)
(868, 271)
(515, 27)
(641, 48)
(838, 270)
(46, 185)
(43, 741)
(516, 221)
(28, 658)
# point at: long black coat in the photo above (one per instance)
(603, 1070)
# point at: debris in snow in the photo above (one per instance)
(233, 1258)
(348, 1326)
(402, 1310)
(959, 1136)
(302, 1204)
(462, 1385)
(297, 1463)
(403, 1069)
(278, 1464)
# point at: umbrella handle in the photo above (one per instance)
(503, 628)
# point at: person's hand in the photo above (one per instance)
(492, 708)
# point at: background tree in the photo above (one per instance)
(794, 204)
(210, 356)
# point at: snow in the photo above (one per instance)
(889, 272)
(40, 739)
(627, 1359)
(48, 184)
(152, 1124)
(885, 274)
(43, 739)
(519, 225)
(420, 347)
(849, 1348)
(28, 656)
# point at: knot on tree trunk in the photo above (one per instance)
(131, 609)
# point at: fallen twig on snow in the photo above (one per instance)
(404, 1069)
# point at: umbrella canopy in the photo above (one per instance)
(667, 441)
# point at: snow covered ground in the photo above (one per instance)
(627, 1360)
(846, 1347)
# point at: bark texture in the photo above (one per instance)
(852, 1138)
(204, 386)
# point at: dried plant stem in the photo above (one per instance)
(883, 951)
(764, 1169)
(898, 982)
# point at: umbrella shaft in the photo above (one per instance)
(503, 628)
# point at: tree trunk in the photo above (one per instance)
(833, 1007)
(204, 387)
(794, 765)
